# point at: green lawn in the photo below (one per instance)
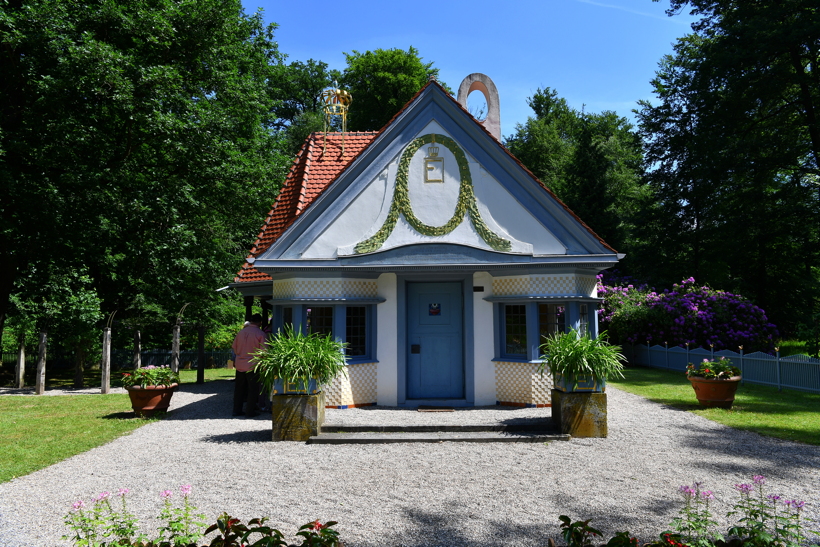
(788, 414)
(36, 432)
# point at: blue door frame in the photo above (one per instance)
(435, 336)
(467, 394)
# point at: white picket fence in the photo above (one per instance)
(793, 372)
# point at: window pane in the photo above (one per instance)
(550, 319)
(320, 320)
(515, 325)
(356, 331)
(584, 320)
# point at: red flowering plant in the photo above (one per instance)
(714, 369)
(316, 534)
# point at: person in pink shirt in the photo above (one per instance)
(246, 389)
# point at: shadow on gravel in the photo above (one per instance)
(749, 454)
(241, 437)
(433, 529)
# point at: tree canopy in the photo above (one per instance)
(732, 148)
(592, 161)
(136, 147)
(381, 82)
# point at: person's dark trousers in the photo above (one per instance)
(246, 390)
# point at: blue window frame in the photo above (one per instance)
(514, 330)
(522, 326)
(350, 323)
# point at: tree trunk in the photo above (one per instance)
(106, 362)
(175, 350)
(137, 350)
(40, 383)
(79, 365)
(200, 371)
(20, 370)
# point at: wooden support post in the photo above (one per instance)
(266, 309)
(105, 388)
(40, 382)
(200, 369)
(248, 307)
(175, 349)
(20, 369)
(137, 350)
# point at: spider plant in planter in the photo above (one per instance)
(293, 362)
(580, 363)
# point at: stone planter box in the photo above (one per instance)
(297, 417)
(580, 414)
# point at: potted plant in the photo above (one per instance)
(294, 367)
(150, 389)
(580, 363)
(297, 363)
(715, 382)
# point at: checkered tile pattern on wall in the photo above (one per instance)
(546, 285)
(357, 388)
(325, 288)
(522, 383)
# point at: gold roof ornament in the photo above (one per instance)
(335, 102)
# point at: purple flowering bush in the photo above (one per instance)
(700, 316)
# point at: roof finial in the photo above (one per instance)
(336, 102)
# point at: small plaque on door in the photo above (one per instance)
(415, 348)
(435, 309)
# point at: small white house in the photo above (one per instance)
(434, 253)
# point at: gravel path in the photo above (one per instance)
(414, 494)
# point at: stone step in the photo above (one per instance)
(540, 426)
(373, 437)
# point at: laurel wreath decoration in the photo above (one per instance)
(401, 202)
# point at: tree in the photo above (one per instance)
(591, 161)
(136, 147)
(381, 82)
(733, 150)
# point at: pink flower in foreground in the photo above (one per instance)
(78, 504)
(122, 492)
(185, 489)
(166, 494)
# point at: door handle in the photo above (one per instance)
(415, 348)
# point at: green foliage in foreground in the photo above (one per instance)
(788, 414)
(36, 432)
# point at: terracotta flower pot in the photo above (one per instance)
(150, 400)
(715, 393)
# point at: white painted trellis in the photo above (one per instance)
(793, 372)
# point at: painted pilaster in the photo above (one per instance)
(387, 344)
(593, 320)
(573, 315)
(483, 341)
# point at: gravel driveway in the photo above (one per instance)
(414, 494)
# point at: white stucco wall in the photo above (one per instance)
(483, 341)
(386, 342)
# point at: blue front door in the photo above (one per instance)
(435, 354)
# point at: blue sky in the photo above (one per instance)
(597, 54)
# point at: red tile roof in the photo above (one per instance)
(314, 168)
